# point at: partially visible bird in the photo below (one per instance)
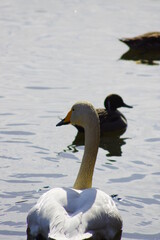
(145, 41)
(111, 120)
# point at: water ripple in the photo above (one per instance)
(153, 140)
(39, 175)
(147, 201)
(17, 133)
(19, 181)
(11, 233)
(10, 158)
(133, 177)
(139, 236)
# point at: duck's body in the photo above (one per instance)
(145, 41)
(111, 120)
(80, 212)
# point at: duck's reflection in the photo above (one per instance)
(144, 56)
(144, 48)
(112, 143)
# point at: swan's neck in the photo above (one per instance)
(92, 136)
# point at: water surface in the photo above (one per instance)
(54, 53)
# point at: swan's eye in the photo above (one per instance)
(73, 109)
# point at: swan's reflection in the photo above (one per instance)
(110, 142)
(144, 56)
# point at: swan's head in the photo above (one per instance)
(81, 114)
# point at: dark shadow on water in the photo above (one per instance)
(143, 56)
(109, 142)
(113, 145)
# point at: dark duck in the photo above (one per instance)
(111, 119)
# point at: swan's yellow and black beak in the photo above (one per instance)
(66, 120)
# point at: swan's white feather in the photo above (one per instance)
(66, 213)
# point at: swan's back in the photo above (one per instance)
(64, 213)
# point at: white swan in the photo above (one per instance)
(80, 212)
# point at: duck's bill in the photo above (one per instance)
(66, 120)
(127, 106)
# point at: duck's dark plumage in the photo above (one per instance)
(111, 120)
(146, 41)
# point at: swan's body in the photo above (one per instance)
(66, 213)
(80, 212)
(145, 41)
(111, 120)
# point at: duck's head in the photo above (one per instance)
(81, 114)
(114, 101)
